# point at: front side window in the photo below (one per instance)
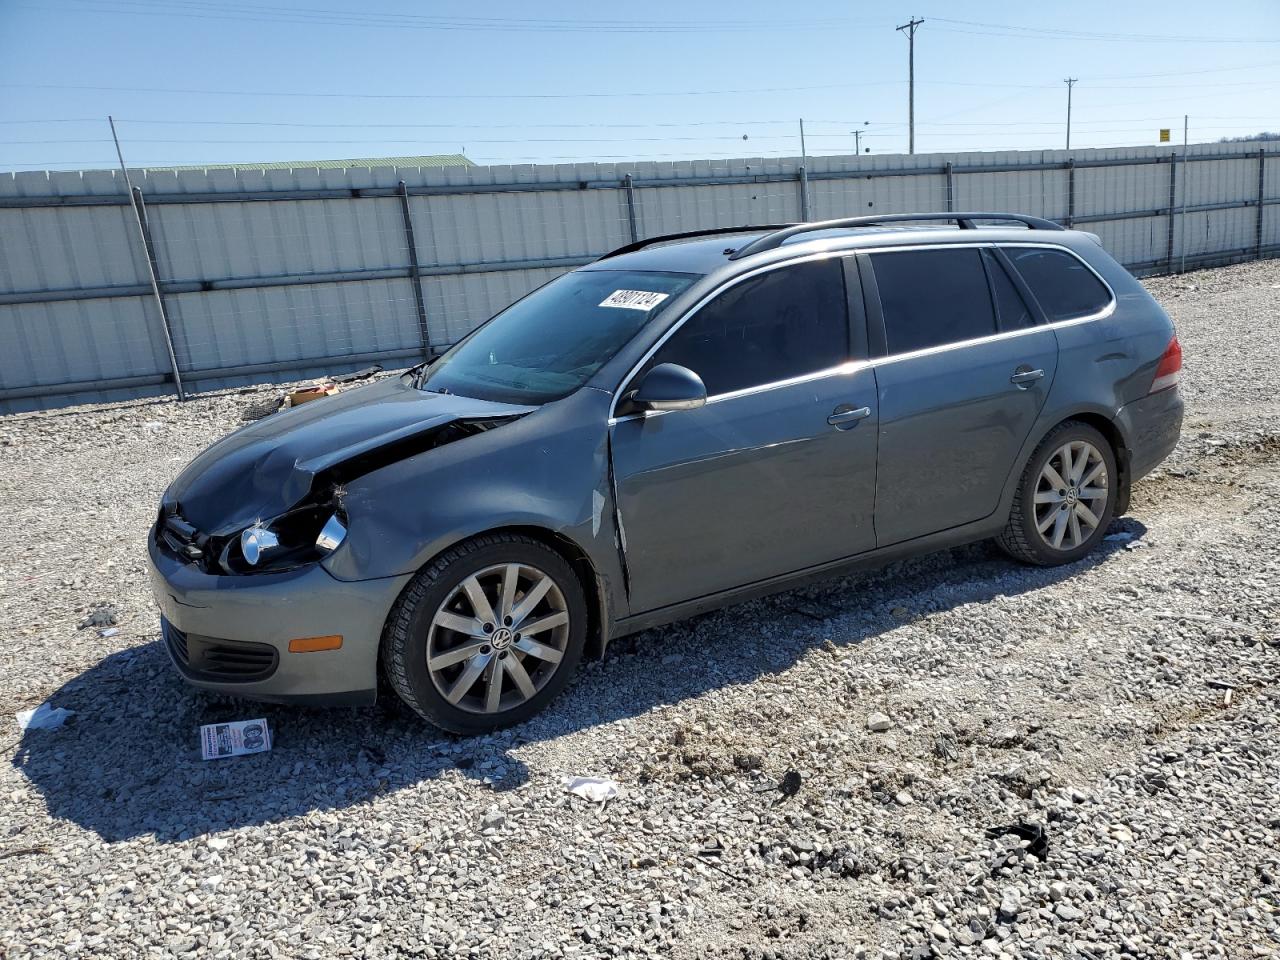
(1065, 287)
(780, 324)
(933, 297)
(549, 344)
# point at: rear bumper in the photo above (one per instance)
(1152, 427)
(231, 634)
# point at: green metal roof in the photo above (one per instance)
(438, 160)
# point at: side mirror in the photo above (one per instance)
(668, 386)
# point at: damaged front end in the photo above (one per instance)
(270, 498)
(307, 534)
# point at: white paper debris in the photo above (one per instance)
(108, 631)
(234, 739)
(595, 789)
(1119, 537)
(634, 299)
(43, 717)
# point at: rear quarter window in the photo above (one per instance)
(1064, 286)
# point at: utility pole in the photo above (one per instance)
(1070, 82)
(804, 176)
(857, 138)
(910, 28)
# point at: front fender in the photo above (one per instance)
(548, 470)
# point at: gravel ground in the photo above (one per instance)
(1124, 711)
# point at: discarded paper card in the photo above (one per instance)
(234, 739)
(43, 717)
(595, 789)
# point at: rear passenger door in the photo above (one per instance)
(963, 370)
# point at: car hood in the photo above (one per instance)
(268, 467)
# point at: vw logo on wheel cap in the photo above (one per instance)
(501, 638)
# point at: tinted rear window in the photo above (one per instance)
(1065, 287)
(933, 297)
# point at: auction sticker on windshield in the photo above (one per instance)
(634, 299)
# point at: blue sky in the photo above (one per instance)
(556, 81)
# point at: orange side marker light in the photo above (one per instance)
(315, 644)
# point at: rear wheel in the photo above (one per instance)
(487, 634)
(1066, 497)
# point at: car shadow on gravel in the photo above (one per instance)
(128, 763)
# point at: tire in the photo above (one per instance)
(437, 617)
(1023, 538)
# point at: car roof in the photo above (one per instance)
(695, 255)
(705, 255)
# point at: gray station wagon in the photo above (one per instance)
(688, 421)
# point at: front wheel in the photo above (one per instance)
(1065, 499)
(487, 634)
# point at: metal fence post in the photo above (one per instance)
(1173, 187)
(1071, 192)
(1262, 182)
(144, 228)
(951, 187)
(415, 272)
(629, 185)
(803, 176)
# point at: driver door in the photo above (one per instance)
(771, 475)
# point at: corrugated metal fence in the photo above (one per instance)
(288, 273)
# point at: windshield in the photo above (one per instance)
(549, 344)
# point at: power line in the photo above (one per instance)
(400, 21)
(257, 13)
(187, 91)
(1054, 33)
(1026, 128)
(451, 96)
(558, 126)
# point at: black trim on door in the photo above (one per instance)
(1028, 297)
(859, 341)
(878, 341)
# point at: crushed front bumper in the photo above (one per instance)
(231, 634)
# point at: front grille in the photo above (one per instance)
(222, 661)
(177, 643)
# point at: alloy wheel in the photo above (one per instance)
(1071, 495)
(498, 638)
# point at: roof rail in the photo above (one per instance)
(714, 231)
(963, 220)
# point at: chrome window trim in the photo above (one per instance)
(1084, 318)
(849, 366)
(727, 285)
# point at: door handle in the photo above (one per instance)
(842, 416)
(1025, 377)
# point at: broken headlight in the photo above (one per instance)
(301, 536)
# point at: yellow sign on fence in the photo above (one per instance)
(1164, 134)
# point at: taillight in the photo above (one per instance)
(1169, 369)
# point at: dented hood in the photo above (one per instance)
(264, 469)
